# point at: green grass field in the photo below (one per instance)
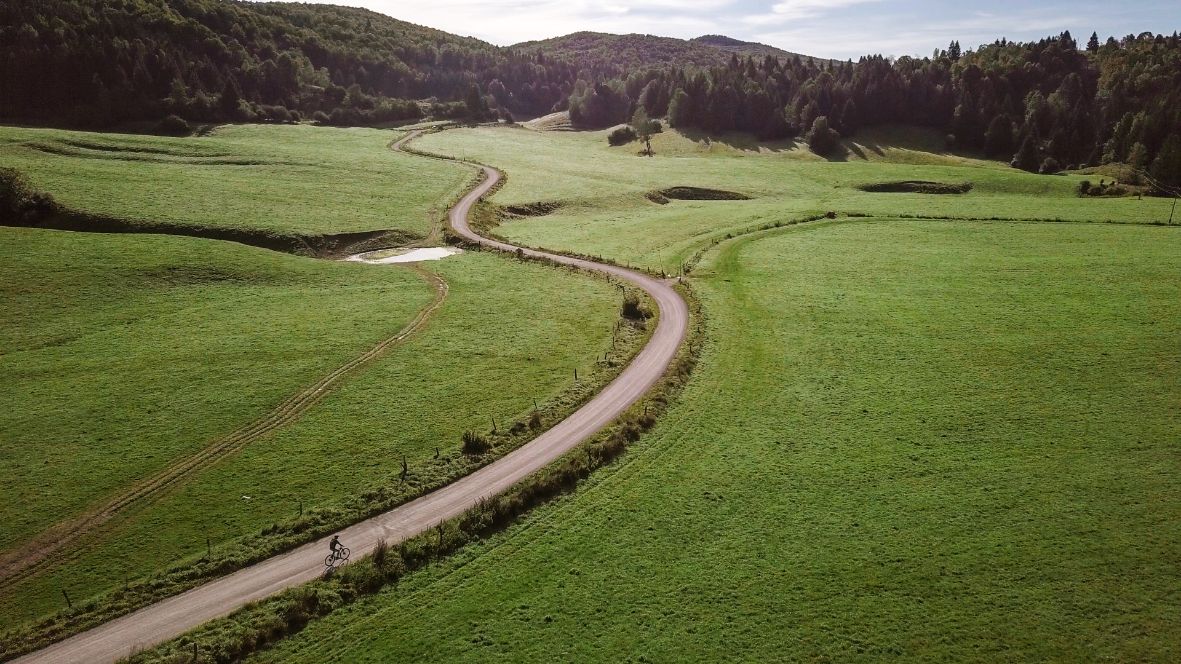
(123, 352)
(928, 438)
(278, 179)
(503, 328)
(605, 210)
(933, 440)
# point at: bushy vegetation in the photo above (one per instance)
(822, 139)
(621, 136)
(918, 187)
(20, 203)
(633, 308)
(475, 443)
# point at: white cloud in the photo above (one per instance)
(918, 38)
(795, 9)
(823, 28)
(507, 22)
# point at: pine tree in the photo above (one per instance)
(229, 104)
(998, 140)
(1093, 44)
(680, 111)
(477, 107)
(1138, 155)
(1166, 168)
(1027, 156)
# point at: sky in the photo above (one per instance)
(838, 29)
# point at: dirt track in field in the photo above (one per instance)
(176, 615)
(53, 544)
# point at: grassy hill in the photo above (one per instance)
(282, 181)
(90, 63)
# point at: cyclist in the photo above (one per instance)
(334, 545)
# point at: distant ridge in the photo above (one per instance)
(753, 49)
(598, 51)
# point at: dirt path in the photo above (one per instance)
(176, 615)
(52, 545)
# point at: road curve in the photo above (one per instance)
(176, 615)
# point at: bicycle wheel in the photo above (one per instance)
(344, 554)
(329, 560)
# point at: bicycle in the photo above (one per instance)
(340, 556)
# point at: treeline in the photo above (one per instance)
(94, 63)
(1045, 106)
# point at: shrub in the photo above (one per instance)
(380, 552)
(1084, 188)
(621, 136)
(1049, 166)
(19, 201)
(632, 308)
(822, 139)
(320, 118)
(173, 125)
(474, 443)
(275, 113)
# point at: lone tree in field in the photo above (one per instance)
(642, 125)
(822, 139)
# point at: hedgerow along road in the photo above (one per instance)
(174, 616)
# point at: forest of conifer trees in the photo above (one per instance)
(1046, 106)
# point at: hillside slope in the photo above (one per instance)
(606, 54)
(751, 49)
(93, 63)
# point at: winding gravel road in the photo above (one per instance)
(174, 616)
